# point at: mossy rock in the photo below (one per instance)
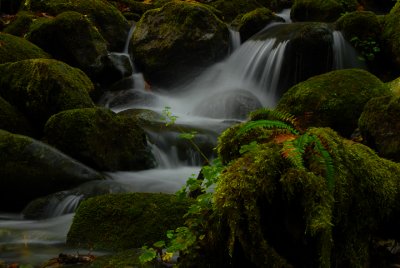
(19, 26)
(230, 9)
(391, 34)
(107, 18)
(31, 169)
(100, 138)
(40, 88)
(316, 10)
(72, 38)
(138, 8)
(335, 99)
(12, 120)
(360, 24)
(380, 127)
(123, 221)
(273, 214)
(15, 48)
(254, 21)
(179, 39)
(394, 86)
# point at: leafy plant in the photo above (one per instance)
(368, 48)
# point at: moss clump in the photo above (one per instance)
(100, 138)
(335, 99)
(394, 86)
(316, 10)
(361, 24)
(20, 25)
(123, 221)
(230, 9)
(31, 169)
(391, 33)
(72, 38)
(277, 215)
(107, 18)
(40, 88)
(15, 49)
(12, 120)
(178, 39)
(379, 126)
(252, 22)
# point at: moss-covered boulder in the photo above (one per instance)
(31, 169)
(20, 24)
(320, 10)
(254, 21)
(391, 34)
(360, 24)
(176, 40)
(380, 127)
(14, 48)
(270, 213)
(12, 120)
(100, 138)
(72, 38)
(107, 18)
(122, 221)
(40, 88)
(230, 9)
(394, 86)
(335, 99)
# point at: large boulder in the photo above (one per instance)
(12, 120)
(391, 34)
(142, 218)
(72, 38)
(380, 127)
(31, 169)
(335, 99)
(254, 21)
(107, 18)
(40, 88)
(176, 40)
(270, 212)
(230, 9)
(100, 138)
(320, 10)
(15, 48)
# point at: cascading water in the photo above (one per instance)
(251, 77)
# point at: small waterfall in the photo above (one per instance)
(64, 205)
(285, 14)
(128, 39)
(344, 55)
(234, 40)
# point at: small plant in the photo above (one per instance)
(368, 48)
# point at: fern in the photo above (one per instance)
(328, 163)
(269, 124)
(266, 113)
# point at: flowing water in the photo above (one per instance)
(249, 78)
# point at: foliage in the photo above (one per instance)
(368, 48)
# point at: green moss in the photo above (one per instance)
(40, 88)
(281, 216)
(230, 9)
(391, 33)
(316, 10)
(335, 99)
(361, 24)
(122, 221)
(14, 48)
(20, 25)
(110, 22)
(100, 139)
(394, 86)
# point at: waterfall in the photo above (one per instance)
(128, 39)
(234, 40)
(344, 55)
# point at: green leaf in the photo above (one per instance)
(148, 254)
(188, 136)
(159, 244)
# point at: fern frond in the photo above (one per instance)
(269, 114)
(328, 163)
(291, 152)
(270, 124)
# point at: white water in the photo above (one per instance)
(223, 94)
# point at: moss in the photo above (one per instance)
(335, 99)
(178, 39)
(281, 216)
(15, 49)
(122, 221)
(316, 10)
(20, 25)
(31, 169)
(361, 24)
(391, 33)
(107, 18)
(230, 9)
(252, 22)
(379, 126)
(100, 139)
(12, 120)
(40, 88)
(394, 86)
(70, 37)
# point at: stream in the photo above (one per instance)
(250, 77)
